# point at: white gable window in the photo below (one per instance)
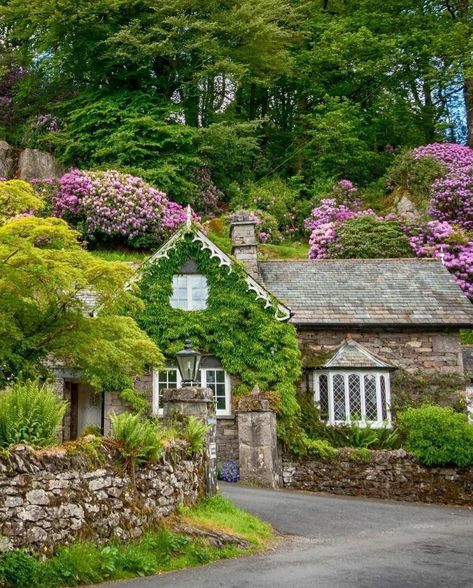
(189, 292)
(214, 378)
(353, 396)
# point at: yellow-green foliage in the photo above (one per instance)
(437, 435)
(17, 197)
(136, 400)
(44, 273)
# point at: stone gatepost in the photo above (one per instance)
(199, 403)
(259, 459)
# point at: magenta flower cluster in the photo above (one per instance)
(116, 205)
(452, 194)
(440, 239)
(325, 221)
(47, 123)
(452, 156)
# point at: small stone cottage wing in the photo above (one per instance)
(359, 292)
(351, 354)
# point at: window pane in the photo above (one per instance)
(339, 397)
(167, 379)
(199, 292)
(210, 377)
(354, 391)
(179, 292)
(370, 398)
(323, 392)
(221, 404)
(384, 409)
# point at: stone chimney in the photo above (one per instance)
(243, 236)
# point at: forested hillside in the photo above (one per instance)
(305, 112)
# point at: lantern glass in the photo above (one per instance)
(188, 362)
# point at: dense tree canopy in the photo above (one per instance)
(314, 91)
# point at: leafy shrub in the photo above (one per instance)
(415, 175)
(30, 413)
(273, 196)
(439, 388)
(111, 205)
(195, 433)
(229, 472)
(367, 237)
(320, 448)
(138, 440)
(18, 569)
(438, 436)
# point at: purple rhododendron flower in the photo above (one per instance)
(113, 204)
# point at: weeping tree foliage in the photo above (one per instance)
(46, 278)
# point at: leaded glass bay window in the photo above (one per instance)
(353, 396)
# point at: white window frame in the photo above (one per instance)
(379, 422)
(190, 278)
(227, 411)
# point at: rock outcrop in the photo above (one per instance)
(28, 164)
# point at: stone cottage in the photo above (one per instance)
(357, 322)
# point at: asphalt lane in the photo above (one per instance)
(338, 542)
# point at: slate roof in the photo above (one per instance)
(351, 354)
(368, 292)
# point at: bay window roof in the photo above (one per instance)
(351, 354)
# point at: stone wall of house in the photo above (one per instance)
(387, 474)
(410, 350)
(227, 439)
(57, 496)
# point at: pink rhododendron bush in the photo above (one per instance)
(452, 194)
(448, 235)
(109, 205)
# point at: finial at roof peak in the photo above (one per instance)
(188, 216)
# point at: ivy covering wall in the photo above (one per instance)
(253, 347)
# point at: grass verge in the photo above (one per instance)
(156, 551)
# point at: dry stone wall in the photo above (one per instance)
(49, 498)
(387, 474)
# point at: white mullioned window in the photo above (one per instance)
(189, 292)
(214, 378)
(347, 396)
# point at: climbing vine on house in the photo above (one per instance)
(235, 327)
